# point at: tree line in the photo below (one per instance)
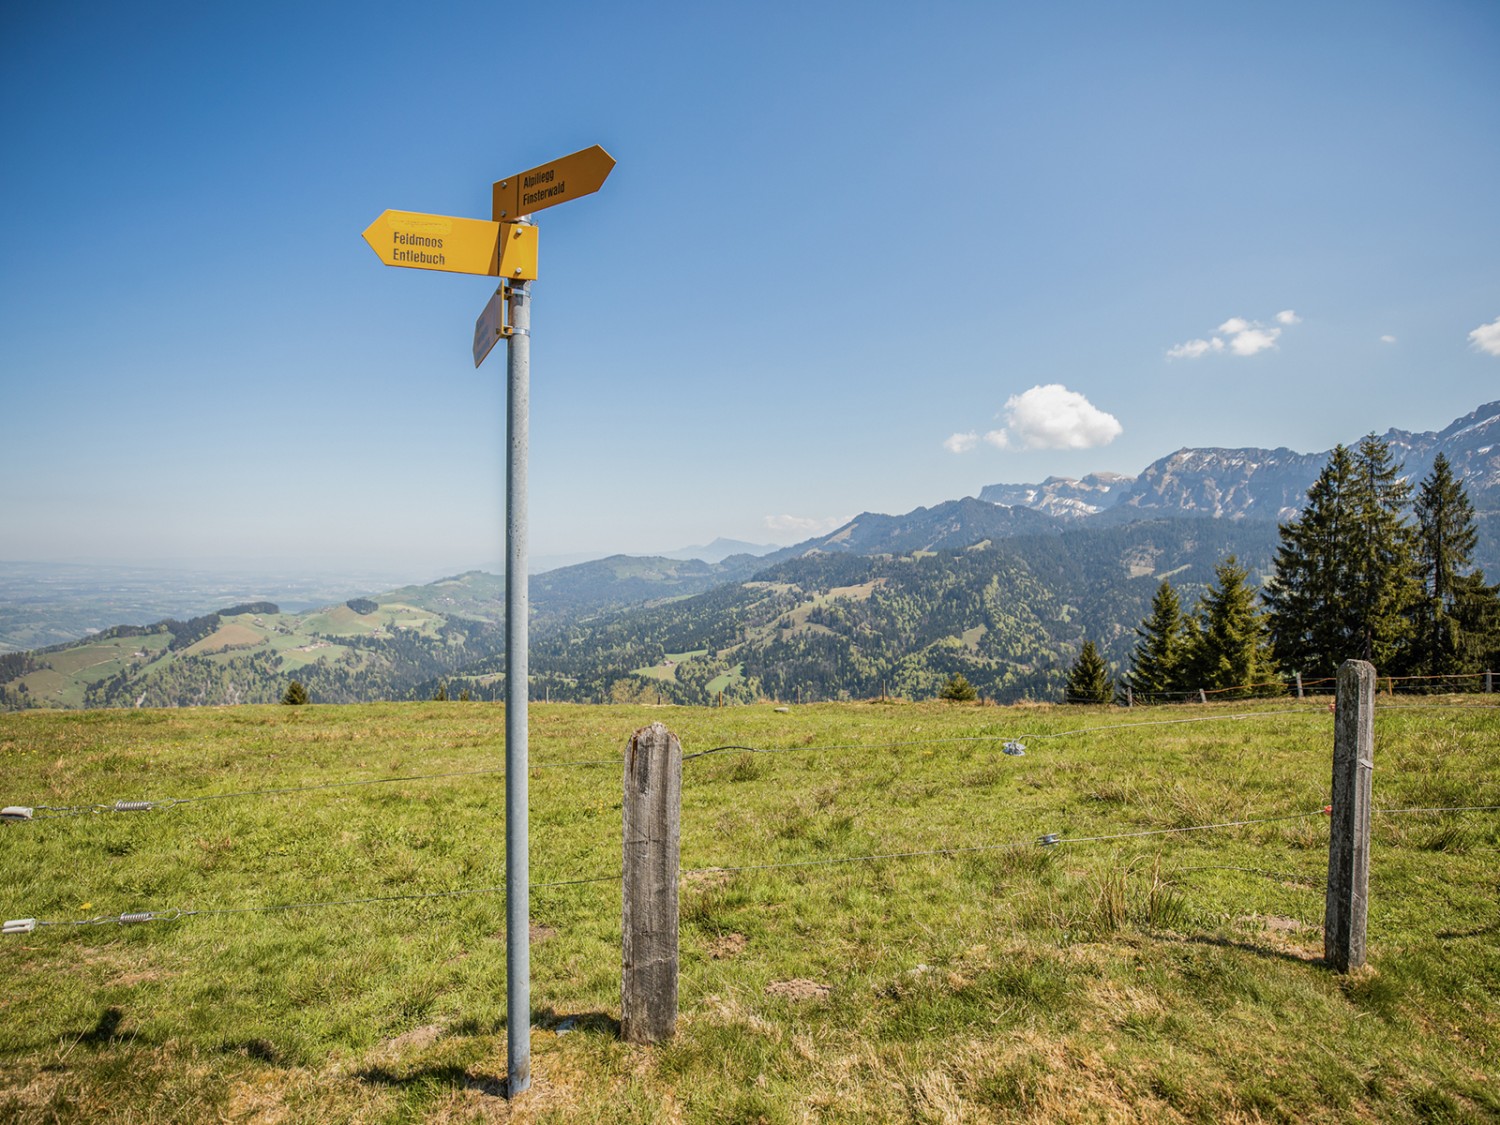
(1370, 569)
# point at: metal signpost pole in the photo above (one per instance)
(504, 246)
(517, 874)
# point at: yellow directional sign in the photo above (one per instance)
(442, 242)
(547, 185)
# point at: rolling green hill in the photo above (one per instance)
(1009, 613)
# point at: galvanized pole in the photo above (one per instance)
(517, 872)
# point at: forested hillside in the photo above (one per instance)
(1009, 615)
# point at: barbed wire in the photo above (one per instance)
(1051, 839)
(27, 925)
(1450, 808)
(1002, 738)
(52, 812)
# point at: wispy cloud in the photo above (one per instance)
(1487, 337)
(1387, 339)
(1237, 336)
(961, 443)
(1195, 348)
(1050, 416)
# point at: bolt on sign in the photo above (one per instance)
(441, 242)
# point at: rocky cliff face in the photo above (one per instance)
(1268, 484)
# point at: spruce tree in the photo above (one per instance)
(295, 694)
(1088, 679)
(1455, 617)
(1156, 665)
(1383, 580)
(1345, 569)
(1231, 654)
(958, 689)
(1308, 626)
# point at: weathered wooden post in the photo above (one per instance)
(652, 814)
(1202, 696)
(1299, 685)
(1129, 696)
(1489, 682)
(1347, 903)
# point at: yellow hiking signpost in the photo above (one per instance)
(442, 242)
(547, 185)
(504, 246)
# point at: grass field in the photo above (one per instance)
(1166, 977)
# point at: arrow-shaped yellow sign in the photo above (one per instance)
(442, 242)
(568, 177)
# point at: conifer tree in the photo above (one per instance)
(1308, 629)
(1088, 679)
(1231, 653)
(295, 694)
(1156, 665)
(1344, 580)
(1383, 571)
(1455, 618)
(958, 689)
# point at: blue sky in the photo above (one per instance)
(853, 256)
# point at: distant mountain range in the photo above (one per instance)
(1004, 588)
(720, 549)
(1269, 484)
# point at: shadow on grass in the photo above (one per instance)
(460, 1078)
(598, 1023)
(105, 1033)
(1453, 935)
(106, 1030)
(455, 1077)
(262, 1050)
(1292, 956)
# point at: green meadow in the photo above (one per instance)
(870, 928)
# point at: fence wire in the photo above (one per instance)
(27, 925)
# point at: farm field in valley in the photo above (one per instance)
(870, 928)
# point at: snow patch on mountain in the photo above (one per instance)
(1252, 483)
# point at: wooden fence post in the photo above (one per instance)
(1347, 902)
(1299, 685)
(1129, 696)
(1489, 682)
(652, 814)
(1202, 696)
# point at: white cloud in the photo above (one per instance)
(1487, 337)
(803, 525)
(1244, 338)
(1387, 339)
(1053, 417)
(1253, 340)
(1195, 348)
(961, 443)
